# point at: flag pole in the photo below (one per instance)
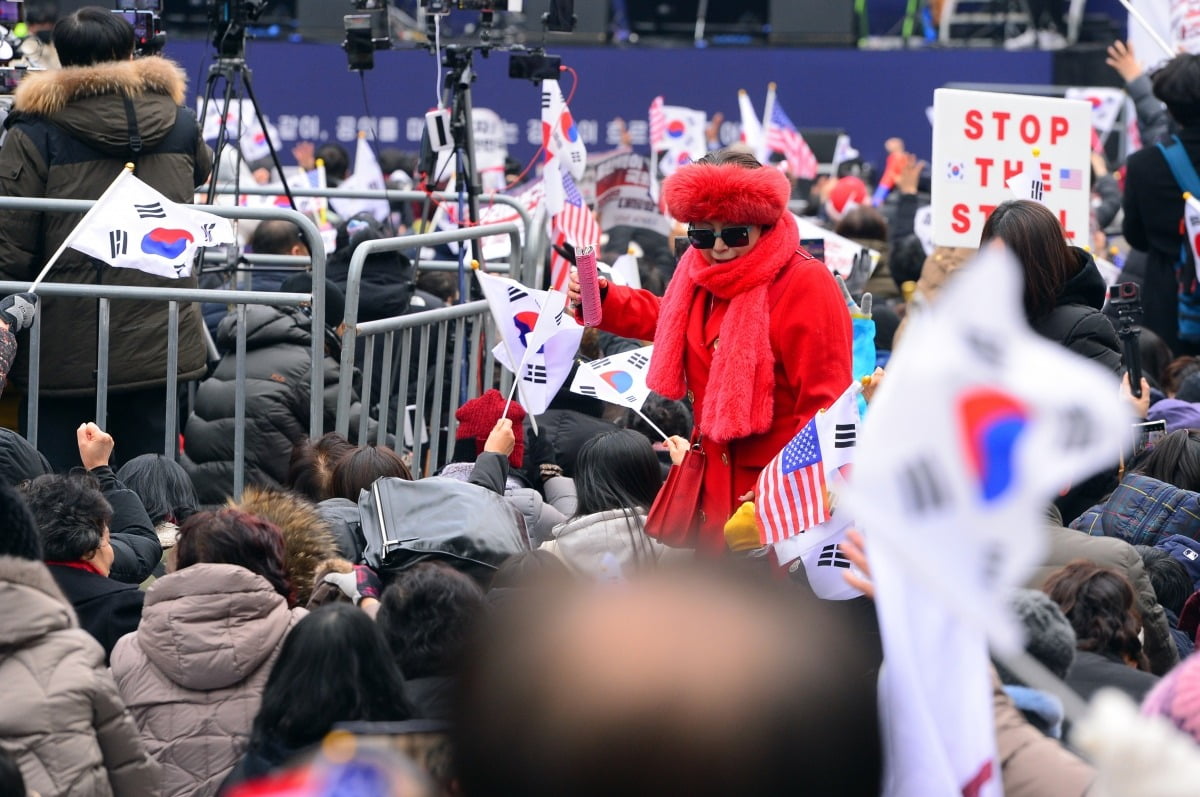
(125, 172)
(764, 150)
(476, 268)
(1146, 26)
(525, 356)
(652, 425)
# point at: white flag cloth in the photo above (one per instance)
(560, 136)
(367, 176)
(625, 271)
(618, 379)
(1191, 218)
(1106, 105)
(1030, 183)
(134, 226)
(752, 128)
(979, 424)
(683, 140)
(516, 311)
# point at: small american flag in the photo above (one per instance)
(574, 224)
(790, 496)
(1070, 178)
(782, 136)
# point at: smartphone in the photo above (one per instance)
(1147, 435)
(815, 247)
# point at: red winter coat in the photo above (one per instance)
(811, 340)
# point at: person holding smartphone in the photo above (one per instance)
(752, 329)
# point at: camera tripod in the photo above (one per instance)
(237, 76)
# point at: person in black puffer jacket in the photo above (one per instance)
(1064, 290)
(278, 341)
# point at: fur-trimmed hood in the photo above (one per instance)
(88, 100)
(307, 538)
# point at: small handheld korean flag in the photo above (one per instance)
(134, 226)
(619, 379)
(1191, 219)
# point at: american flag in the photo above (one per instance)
(1070, 178)
(782, 136)
(574, 224)
(790, 496)
(658, 124)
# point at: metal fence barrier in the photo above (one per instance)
(463, 327)
(530, 271)
(104, 294)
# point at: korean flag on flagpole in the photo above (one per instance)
(134, 226)
(961, 453)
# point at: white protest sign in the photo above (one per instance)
(981, 140)
(491, 148)
(623, 194)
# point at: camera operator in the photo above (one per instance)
(38, 47)
(69, 135)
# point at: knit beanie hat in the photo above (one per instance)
(1177, 697)
(478, 417)
(1049, 636)
(18, 532)
(1186, 551)
(847, 194)
(335, 300)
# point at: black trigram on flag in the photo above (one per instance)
(638, 361)
(515, 293)
(832, 556)
(558, 319)
(545, 100)
(1036, 189)
(631, 399)
(576, 156)
(207, 230)
(535, 374)
(595, 364)
(152, 211)
(118, 242)
(587, 390)
(985, 348)
(845, 435)
(922, 491)
(1077, 431)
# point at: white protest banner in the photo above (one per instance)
(840, 253)
(1185, 26)
(491, 148)
(623, 194)
(981, 140)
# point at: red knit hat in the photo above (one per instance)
(846, 194)
(731, 193)
(478, 417)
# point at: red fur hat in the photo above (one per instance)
(478, 417)
(729, 193)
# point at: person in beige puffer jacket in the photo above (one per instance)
(194, 671)
(61, 717)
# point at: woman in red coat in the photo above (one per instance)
(752, 329)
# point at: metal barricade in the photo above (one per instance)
(459, 326)
(104, 294)
(535, 243)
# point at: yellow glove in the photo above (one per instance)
(741, 531)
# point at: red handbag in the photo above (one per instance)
(674, 519)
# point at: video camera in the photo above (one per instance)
(366, 31)
(1125, 298)
(146, 18)
(230, 18)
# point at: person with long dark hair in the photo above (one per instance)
(617, 479)
(209, 634)
(1064, 290)
(752, 329)
(1099, 602)
(335, 666)
(165, 491)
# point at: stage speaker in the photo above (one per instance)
(321, 20)
(812, 22)
(591, 26)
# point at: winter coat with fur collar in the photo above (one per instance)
(193, 673)
(68, 137)
(61, 719)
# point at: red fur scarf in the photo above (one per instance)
(739, 396)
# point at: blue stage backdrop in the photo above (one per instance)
(308, 93)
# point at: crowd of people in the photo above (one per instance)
(572, 604)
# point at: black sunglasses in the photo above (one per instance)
(707, 239)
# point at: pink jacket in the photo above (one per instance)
(194, 671)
